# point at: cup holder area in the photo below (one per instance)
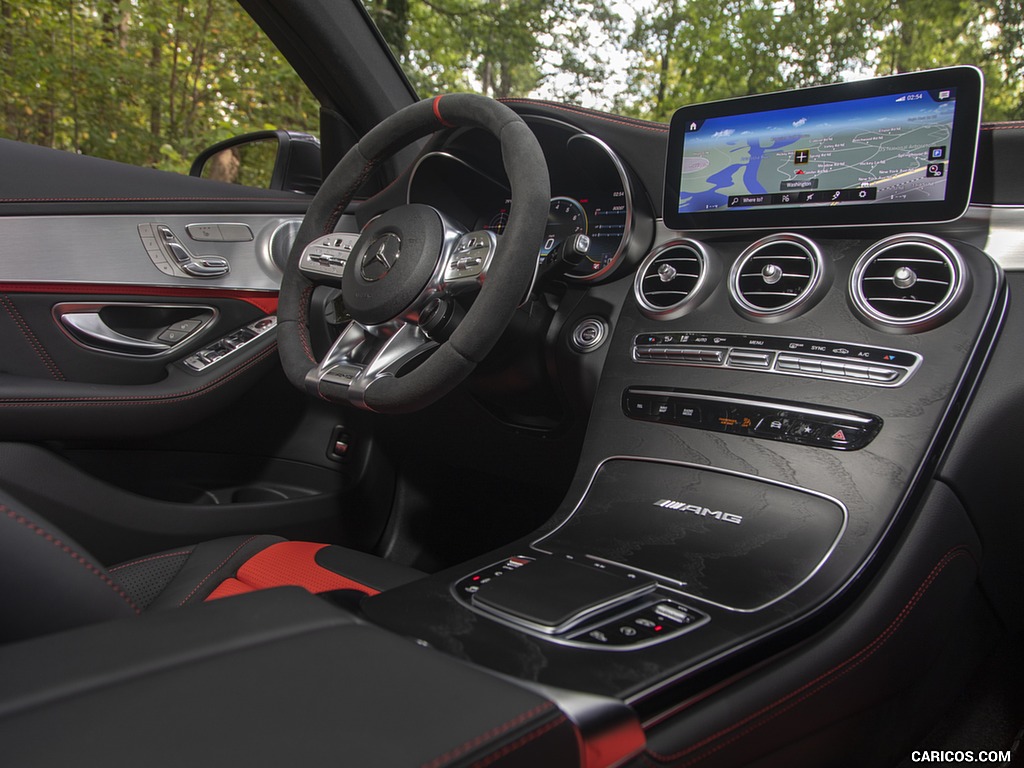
(207, 479)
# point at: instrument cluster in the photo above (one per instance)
(592, 215)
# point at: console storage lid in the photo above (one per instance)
(271, 678)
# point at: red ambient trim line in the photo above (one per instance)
(265, 301)
(287, 564)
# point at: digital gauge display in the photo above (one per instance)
(591, 227)
(604, 225)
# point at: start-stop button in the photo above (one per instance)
(589, 334)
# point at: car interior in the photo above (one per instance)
(508, 432)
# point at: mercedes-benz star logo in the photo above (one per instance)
(380, 257)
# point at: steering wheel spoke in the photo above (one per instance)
(362, 355)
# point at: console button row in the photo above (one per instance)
(768, 420)
(652, 622)
(204, 358)
(837, 369)
(805, 357)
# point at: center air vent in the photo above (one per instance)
(775, 276)
(908, 283)
(671, 279)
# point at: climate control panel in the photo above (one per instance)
(815, 358)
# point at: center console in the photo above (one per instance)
(769, 416)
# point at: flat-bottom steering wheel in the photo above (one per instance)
(400, 276)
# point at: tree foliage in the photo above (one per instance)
(147, 82)
(685, 51)
(496, 47)
(151, 82)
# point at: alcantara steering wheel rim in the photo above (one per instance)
(383, 284)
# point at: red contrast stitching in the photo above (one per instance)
(346, 197)
(642, 125)
(207, 576)
(304, 299)
(81, 560)
(31, 338)
(191, 394)
(835, 673)
(493, 733)
(148, 559)
(509, 748)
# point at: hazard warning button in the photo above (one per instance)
(836, 436)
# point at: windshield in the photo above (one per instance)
(646, 58)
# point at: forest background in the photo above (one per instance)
(152, 82)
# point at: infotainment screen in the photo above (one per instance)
(893, 149)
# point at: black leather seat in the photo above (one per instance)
(52, 583)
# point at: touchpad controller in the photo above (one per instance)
(553, 595)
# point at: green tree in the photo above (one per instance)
(495, 47)
(684, 51)
(149, 82)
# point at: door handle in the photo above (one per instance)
(90, 326)
(130, 328)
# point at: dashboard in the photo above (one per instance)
(775, 382)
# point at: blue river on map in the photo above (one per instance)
(711, 198)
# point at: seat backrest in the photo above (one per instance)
(47, 581)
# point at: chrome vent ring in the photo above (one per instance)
(672, 279)
(908, 283)
(776, 276)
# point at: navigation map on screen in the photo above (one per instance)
(885, 149)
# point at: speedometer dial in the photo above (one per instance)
(566, 218)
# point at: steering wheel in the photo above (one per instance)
(400, 275)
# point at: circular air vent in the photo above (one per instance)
(671, 278)
(775, 275)
(908, 283)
